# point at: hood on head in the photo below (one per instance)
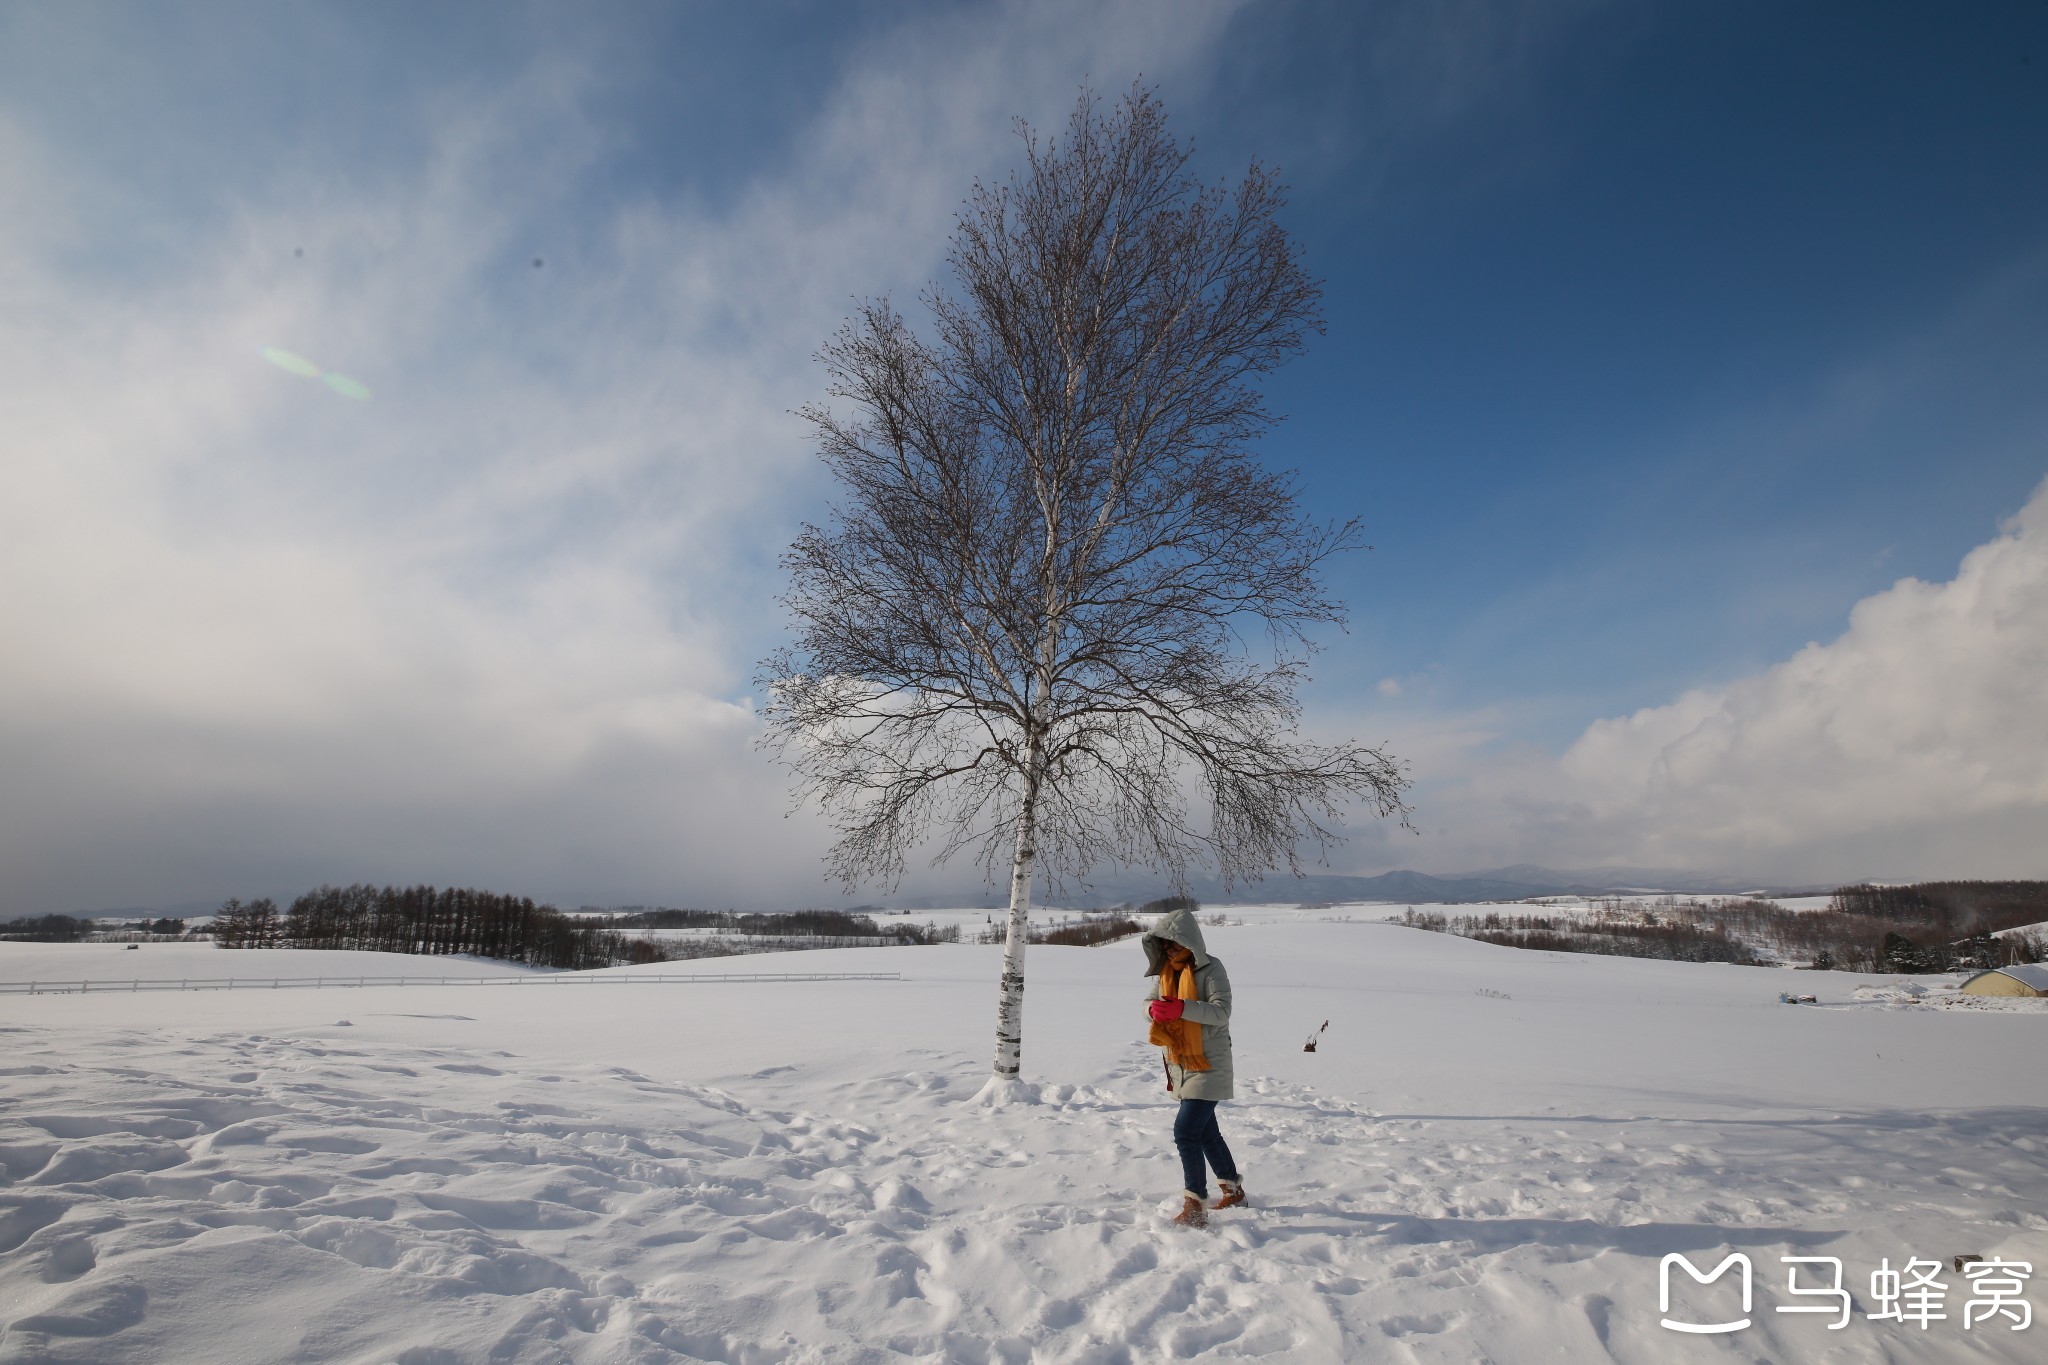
(1177, 925)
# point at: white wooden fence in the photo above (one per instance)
(274, 983)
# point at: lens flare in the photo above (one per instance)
(293, 363)
(290, 362)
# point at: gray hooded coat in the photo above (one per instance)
(1210, 1008)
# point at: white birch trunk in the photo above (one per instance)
(1005, 1085)
(1010, 998)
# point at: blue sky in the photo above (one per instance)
(1664, 341)
(1714, 320)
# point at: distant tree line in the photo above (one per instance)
(248, 924)
(445, 920)
(1093, 930)
(1090, 933)
(789, 924)
(1928, 927)
(432, 921)
(46, 929)
(848, 928)
(1960, 907)
(70, 929)
(1666, 938)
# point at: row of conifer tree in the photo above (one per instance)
(431, 920)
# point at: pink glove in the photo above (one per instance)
(1168, 1009)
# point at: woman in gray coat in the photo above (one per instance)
(1189, 1005)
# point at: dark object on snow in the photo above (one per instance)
(1310, 1045)
(1964, 1260)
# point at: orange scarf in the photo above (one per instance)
(1182, 1038)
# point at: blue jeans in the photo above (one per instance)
(1196, 1134)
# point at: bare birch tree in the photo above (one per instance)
(1058, 612)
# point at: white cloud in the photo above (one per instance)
(1909, 746)
(491, 626)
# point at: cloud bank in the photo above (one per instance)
(493, 625)
(1910, 746)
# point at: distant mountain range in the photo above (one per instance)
(1523, 880)
(1517, 882)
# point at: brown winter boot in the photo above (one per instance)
(1192, 1214)
(1232, 1196)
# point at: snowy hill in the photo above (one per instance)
(1487, 1159)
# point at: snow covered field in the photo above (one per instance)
(58, 962)
(1486, 1160)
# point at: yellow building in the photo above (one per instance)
(2027, 979)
